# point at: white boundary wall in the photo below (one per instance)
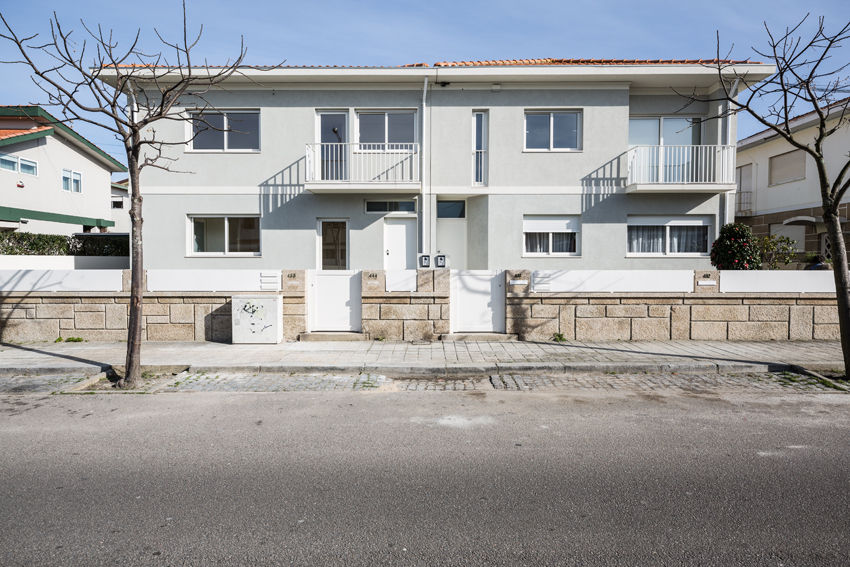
(401, 280)
(60, 280)
(777, 281)
(213, 280)
(590, 281)
(32, 262)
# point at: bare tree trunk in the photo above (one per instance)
(133, 372)
(842, 279)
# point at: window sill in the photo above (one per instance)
(558, 151)
(567, 255)
(225, 255)
(786, 182)
(671, 255)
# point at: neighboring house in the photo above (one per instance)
(120, 202)
(52, 180)
(536, 164)
(778, 187)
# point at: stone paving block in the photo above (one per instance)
(116, 316)
(370, 311)
(154, 309)
(441, 326)
(800, 326)
(157, 319)
(434, 311)
(294, 309)
(21, 312)
(294, 325)
(181, 313)
(719, 312)
(445, 311)
(171, 332)
(601, 329)
(826, 314)
(650, 329)
(590, 311)
(567, 322)
(89, 320)
(442, 281)
(626, 311)
(56, 310)
(708, 331)
(768, 313)
(424, 280)
(757, 331)
(66, 323)
(827, 332)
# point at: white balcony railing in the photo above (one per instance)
(363, 163)
(681, 164)
(479, 167)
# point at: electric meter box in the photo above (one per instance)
(257, 319)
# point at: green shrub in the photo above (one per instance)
(776, 251)
(25, 243)
(735, 249)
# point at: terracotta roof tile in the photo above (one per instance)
(6, 133)
(552, 61)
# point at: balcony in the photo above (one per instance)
(361, 167)
(681, 169)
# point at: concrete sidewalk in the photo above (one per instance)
(432, 359)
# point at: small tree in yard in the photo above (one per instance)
(735, 249)
(776, 251)
(126, 91)
(810, 77)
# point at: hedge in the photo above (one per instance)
(25, 243)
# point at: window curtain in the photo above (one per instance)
(537, 242)
(646, 239)
(688, 239)
(563, 242)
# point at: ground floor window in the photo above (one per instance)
(550, 235)
(226, 235)
(391, 206)
(668, 236)
(334, 235)
(451, 209)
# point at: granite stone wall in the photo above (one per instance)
(702, 315)
(421, 315)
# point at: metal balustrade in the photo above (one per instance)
(681, 165)
(363, 163)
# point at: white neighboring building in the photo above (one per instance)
(52, 180)
(778, 188)
(120, 203)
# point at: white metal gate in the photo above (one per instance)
(334, 300)
(477, 301)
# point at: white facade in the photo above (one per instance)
(330, 164)
(51, 180)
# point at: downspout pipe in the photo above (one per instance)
(425, 198)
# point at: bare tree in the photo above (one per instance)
(810, 78)
(90, 78)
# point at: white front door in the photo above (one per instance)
(399, 244)
(334, 300)
(477, 301)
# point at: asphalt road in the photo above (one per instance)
(424, 478)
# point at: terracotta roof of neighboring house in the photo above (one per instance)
(7, 135)
(51, 124)
(552, 61)
(800, 120)
(491, 63)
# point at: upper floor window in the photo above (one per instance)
(479, 148)
(664, 131)
(391, 130)
(237, 130)
(787, 167)
(72, 181)
(547, 235)
(553, 131)
(16, 164)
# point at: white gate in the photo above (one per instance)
(399, 244)
(334, 300)
(477, 301)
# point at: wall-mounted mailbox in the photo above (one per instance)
(424, 261)
(440, 261)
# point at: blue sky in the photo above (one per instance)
(321, 32)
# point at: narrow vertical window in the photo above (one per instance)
(479, 149)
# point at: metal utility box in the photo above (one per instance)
(257, 319)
